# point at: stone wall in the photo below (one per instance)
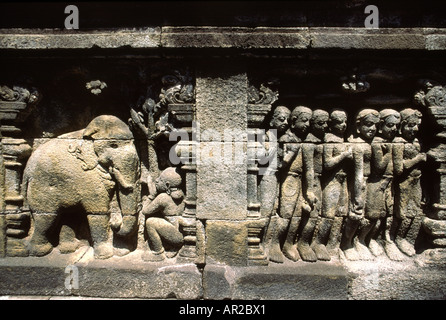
(277, 152)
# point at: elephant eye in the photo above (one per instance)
(114, 145)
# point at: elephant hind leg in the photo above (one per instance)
(39, 245)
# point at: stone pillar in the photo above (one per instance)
(222, 169)
(15, 106)
(256, 224)
(260, 100)
(192, 229)
(432, 96)
(2, 204)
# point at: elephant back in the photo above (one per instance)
(107, 127)
(55, 178)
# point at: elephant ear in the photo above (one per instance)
(84, 151)
(107, 127)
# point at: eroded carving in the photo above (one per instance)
(96, 86)
(163, 209)
(361, 195)
(310, 190)
(84, 170)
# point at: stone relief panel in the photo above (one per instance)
(110, 185)
(348, 183)
(322, 182)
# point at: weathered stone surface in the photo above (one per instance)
(2, 235)
(260, 157)
(214, 199)
(246, 38)
(221, 101)
(229, 37)
(127, 277)
(367, 38)
(181, 281)
(226, 242)
(25, 40)
(386, 280)
(278, 282)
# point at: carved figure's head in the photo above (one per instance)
(366, 123)
(319, 123)
(169, 182)
(280, 119)
(300, 120)
(389, 123)
(338, 122)
(410, 123)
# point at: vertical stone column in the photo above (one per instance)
(2, 203)
(433, 97)
(15, 106)
(260, 100)
(221, 111)
(256, 255)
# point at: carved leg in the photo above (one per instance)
(303, 244)
(158, 230)
(289, 247)
(351, 226)
(390, 247)
(405, 246)
(101, 235)
(375, 247)
(277, 228)
(360, 242)
(39, 244)
(323, 232)
(68, 242)
(335, 237)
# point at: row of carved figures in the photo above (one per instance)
(361, 193)
(322, 190)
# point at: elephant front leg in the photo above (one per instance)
(39, 244)
(101, 235)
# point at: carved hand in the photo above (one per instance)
(422, 157)
(312, 199)
(348, 154)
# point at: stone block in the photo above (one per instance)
(140, 280)
(221, 99)
(221, 187)
(227, 242)
(123, 277)
(403, 280)
(235, 37)
(366, 38)
(37, 275)
(300, 281)
(148, 38)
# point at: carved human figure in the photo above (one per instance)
(407, 160)
(312, 152)
(378, 211)
(163, 209)
(269, 183)
(335, 193)
(291, 198)
(366, 123)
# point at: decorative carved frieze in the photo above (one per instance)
(312, 191)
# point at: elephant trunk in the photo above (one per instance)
(126, 175)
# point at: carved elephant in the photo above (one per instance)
(84, 169)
